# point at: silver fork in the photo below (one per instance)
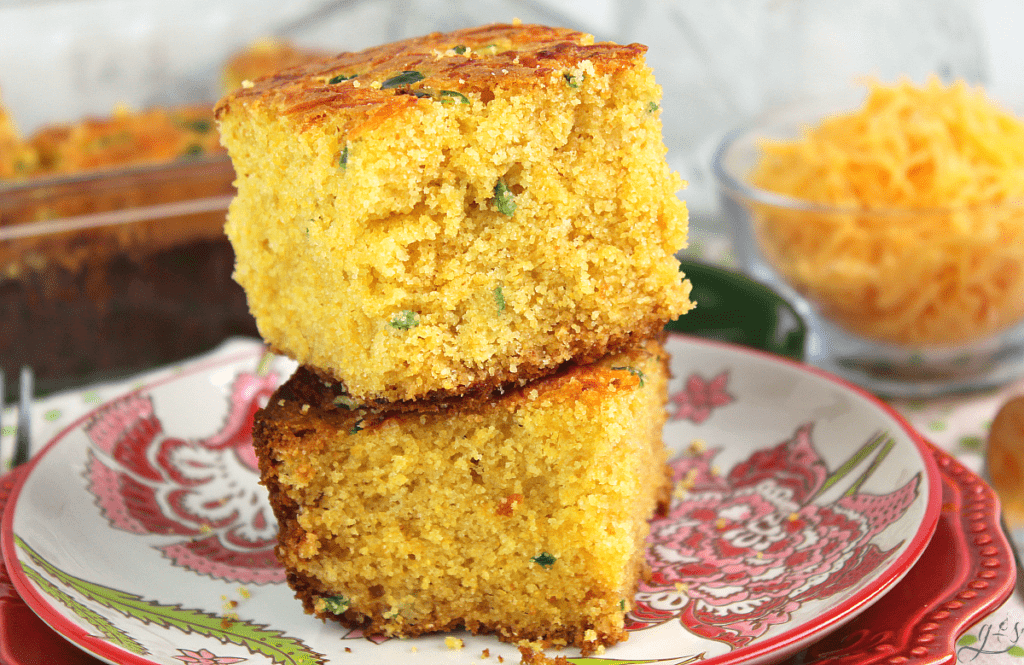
(23, 433)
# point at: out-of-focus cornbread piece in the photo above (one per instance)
(125, 138)
(1004, 459)
(262, 57)
(456, 212)
(523, 515)
(16, 157)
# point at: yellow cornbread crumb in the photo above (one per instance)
(229, 607)
(453, 642)
(437, 225)
(523, 515)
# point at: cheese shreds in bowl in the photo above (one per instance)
(903, 220)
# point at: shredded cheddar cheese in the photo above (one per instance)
(927, 248)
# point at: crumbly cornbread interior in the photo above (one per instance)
(458, 211)
(524, 516)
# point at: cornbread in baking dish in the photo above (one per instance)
(523, 515)
(16, 158)
(264, 56)
(127, 137)
(456, 212)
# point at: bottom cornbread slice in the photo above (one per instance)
(524, 515)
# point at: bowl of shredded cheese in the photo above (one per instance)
(896, 220)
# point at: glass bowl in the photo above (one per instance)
(904, 302)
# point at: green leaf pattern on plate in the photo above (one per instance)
(255, 638)
(113, 634)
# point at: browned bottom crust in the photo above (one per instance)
(486, 385)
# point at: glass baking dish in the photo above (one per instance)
(107, 273)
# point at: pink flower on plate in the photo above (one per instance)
(198, 495)
(205, 657)
(699, 397)
(739, 554)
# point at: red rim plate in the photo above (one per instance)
(934, 630)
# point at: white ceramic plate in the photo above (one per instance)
(141, 534)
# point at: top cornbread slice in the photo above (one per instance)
(456, 212)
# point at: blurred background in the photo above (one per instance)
(718, 62)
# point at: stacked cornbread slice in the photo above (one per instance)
(466, 240)
(523, 515)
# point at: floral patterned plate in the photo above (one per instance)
(141, 535)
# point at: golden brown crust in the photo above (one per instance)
(524, 56)
(531, 656)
